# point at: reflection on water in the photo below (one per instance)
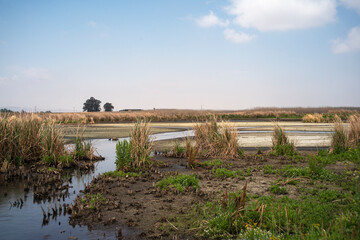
(26, 223)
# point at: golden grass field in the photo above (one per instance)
(163, 115)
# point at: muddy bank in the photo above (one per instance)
(136, 203)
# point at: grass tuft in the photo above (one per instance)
(179, 182)
(281, 144)
(216, 140)
(340, 140)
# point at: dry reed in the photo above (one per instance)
(354, 130)
(140, 143)
(25, 139)
(313, 118)
(216, 140)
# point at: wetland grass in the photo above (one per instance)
(313, 118)
(340, 138)
(26, 139)
(354, 130)
(216, 140)
(281, 145)
(136, 152)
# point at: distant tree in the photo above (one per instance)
(5, 110)
(92, 105)
(108, 107)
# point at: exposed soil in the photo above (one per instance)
(137, 204)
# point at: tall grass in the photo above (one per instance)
(216, 140)
(123, 154)
(52, 142)
(83, 148)
(136, 152)
(25, 138)
(354, 130)
(281, 145)
(183, 114)
(141, 145)
(340, 138)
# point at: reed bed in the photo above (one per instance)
(216, 140)
(26, 138)
(192, 115)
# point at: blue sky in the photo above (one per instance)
(179, 54)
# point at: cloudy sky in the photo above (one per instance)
(224, 54)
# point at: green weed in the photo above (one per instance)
(179, 182)
(225, 173)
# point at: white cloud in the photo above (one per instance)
(280, 15)
(350, 44)
(236, 37)
(352, 4)
(211, 20)
(37, 74)
(92, 24)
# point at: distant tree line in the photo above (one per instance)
(93, 105)
(5, 110)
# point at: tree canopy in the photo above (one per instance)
(108, 107)
(92, 105)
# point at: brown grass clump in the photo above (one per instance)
(313, 118)
(25, 138)
(216, 140)
(141, 145)
(354, 130)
